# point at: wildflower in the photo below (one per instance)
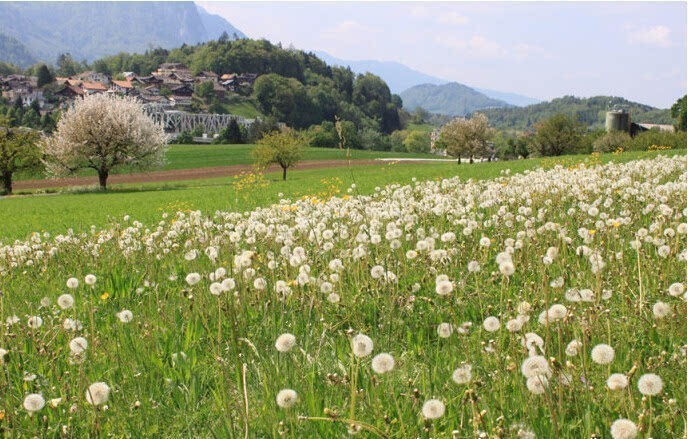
(34, 322)
(624, 429)
(259, 284)
(362, 345)
(650, 384)
(333, 298)
(602, 354)
(72, 324)
(90, 280)
(491, 324)
(617, 381)
(382, 363)
(444, 330)
(78, 345)
(65, 301)
(228, 284)
(661, 309)
(514, 325)
(285, 342)
(287, 398)
(34, 402)
(573, 347)
(193, 278)
(3, 354)
(556, 312)
(676, 289)
(97, 393)
(444, 288)
(537, 384)
(72, 283)
(433, 409)
(216, 288)
(125, 316)
(473, 267)
(535, 366)
(463, 374)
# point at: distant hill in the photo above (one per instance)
(90, 30)
(453, 99)
(590, 111)
(14, 52)
(400, 77)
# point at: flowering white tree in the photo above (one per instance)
(103, 132)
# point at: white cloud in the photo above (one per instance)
(347, 30)
(479, 46)
(654, 36)
(453, 18)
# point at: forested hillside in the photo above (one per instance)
(589, 111)
(453, 99)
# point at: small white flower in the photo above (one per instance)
(433, 409)
(444, 330)
(65, 301)
(125, 316)
(33, 402)
(78, 345)
(72, 283)
(463, 374)
(216, 288)
(193, 278)
(90, 279)
(287, 398)
(602, 354)
(624, 429)
(617, 381)
(650, 384)
(676, 289)
(97, 393)
(34, 322)
(537, 384)
(285, 342)
(362, 345)
(661, 310)
(491, 324)
(382, 363)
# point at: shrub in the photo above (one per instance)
(643, 141)
(612, 141)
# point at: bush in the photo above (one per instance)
(373, 140)
(396, 140)
(612, 141)
(184, 137)
(643, 141)
(323, 135)
(417, 141)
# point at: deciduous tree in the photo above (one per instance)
(103, 132)
(284, 148)
(467, 137)
(19, 151)
(557, 135)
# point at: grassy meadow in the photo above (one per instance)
(74, 208)
(205, 156)
(547, 301)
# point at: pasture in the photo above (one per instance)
(537, 298)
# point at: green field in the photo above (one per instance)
(549, 304)
(204, 156)
(79, 209)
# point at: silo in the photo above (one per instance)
(618, 120)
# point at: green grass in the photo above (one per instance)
(425, 127)
(245, 109)
(191, 364)
(204, 156)
(79, 209)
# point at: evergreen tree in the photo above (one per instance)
(44, 75)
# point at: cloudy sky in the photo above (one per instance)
(544, 50)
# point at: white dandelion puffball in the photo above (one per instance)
(33, 402)
(650, 384)
(90, 280)
(556, 312)
(661, 310)
(617, 381)
(537, 385)
(34, 322)
(676, 289)
(433, 409)
(444, 330)
(72, 283)
(362, 345)
(193, 278)
(286, 398)
(285, 342)
(444, 288)
(216, 288)
(463, 374)
(473, 267)
(333, 298)
(382, 363)
(228, 284)
(624, 429)
(491, 324)
(514, 325)
(125, 316)
(573, 347)
(97, 393)
(535, 366)
(602, 354)
(65, 301)
(78, 345)
(3, 354)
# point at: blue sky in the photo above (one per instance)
(544, 50)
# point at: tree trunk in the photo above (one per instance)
(470, 160)
(458, 160)
(7, 183)
(102, 178)
(284, 173)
